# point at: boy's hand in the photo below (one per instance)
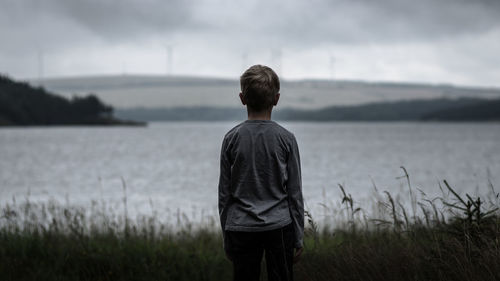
(296, 256)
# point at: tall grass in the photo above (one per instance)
(453, 237)
(449, 237)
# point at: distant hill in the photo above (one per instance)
(22, 104)
(148, 91)
(462, 109)
(477, 111)
(412, 110)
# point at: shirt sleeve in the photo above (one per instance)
(294, 189)
(224, 188)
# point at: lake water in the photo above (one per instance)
(170, 166)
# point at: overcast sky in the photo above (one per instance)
(436, 41)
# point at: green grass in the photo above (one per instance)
(72, 248)
(451, 237)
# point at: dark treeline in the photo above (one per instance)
(463, 109)
(479, 111)
(22, 104)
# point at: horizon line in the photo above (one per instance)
(228, 78)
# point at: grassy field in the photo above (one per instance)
(453, 237)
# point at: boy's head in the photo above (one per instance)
(260, 88)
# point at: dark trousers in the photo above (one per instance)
(246, 250)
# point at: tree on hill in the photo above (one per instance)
(22, 104)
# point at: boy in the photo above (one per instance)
(260, 194)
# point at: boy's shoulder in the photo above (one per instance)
(248, 124)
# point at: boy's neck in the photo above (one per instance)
(263, 115)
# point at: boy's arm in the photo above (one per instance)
(294, 188)
(224, 188)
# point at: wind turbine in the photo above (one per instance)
(332, 67)
(40, 66)
(276, 60)
(244, 61)
(39, 50)
(169, 50)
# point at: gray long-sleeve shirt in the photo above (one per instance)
(260, 179)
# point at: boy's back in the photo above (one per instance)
(261, 185)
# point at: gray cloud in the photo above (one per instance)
(235, 27)
(300, 22)
(58, 24)
(357, 21)
(128, 18)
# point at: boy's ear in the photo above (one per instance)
(242, 98)
(276, 99)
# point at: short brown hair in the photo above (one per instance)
(259, 86)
